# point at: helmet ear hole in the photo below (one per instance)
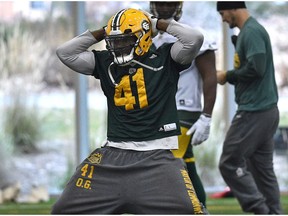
(127, 31)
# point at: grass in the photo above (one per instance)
(224, 206)
(17, 209)
(230, 205)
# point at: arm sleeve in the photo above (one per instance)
(74, 53)
(255, 63)
(189, 42)
(254, 68)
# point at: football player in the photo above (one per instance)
(134, 171)
(199, 79)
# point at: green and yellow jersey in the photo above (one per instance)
(141, 106)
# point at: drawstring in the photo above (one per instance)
(136, 62)
(110, 75)
(147, 66)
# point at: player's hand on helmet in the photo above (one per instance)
(200, 130)
(153, 19)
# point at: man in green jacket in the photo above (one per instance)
(246, 163)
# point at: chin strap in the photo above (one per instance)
(132, 61)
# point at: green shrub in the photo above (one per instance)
(22, 125)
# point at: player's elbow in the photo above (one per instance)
(193, 47)
(60, 53)
(198, 39)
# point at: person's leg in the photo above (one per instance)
(115, 181)
(197, 183)
(93, 188)
(185, 151)
(165, 187)
(239, 145)
(266, 181)
(261, 162)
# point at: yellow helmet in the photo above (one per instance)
(128, 35)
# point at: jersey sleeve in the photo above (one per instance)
(209, 43)
(185, 49)
(75, 55)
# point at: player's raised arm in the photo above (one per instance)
(189, 40)
(75, 55)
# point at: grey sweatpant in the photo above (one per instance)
(116, 181)
(246, 163)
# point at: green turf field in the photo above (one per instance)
(231, 206)
(215, 206)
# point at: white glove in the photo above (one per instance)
(201, 130)
(153, 21)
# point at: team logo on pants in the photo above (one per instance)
(95, 158)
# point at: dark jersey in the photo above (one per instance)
(142, 106)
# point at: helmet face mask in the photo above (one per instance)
(122, 47)
(128, 35)
(167, 10)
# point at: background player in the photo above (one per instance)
(199, 79)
